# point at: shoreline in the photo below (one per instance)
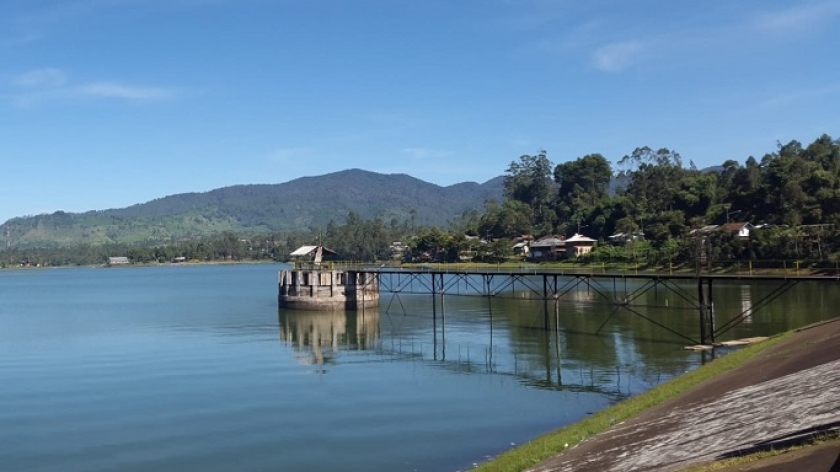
(157, 264)
(595, 441)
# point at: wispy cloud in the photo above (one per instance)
(802, 96)
(425, 153)
(46, 84)
(128, 92)
(617, 56)
(802, 18)
(42, 78)
(610, 44)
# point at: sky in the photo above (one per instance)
(108, 103)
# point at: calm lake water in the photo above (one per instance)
(194, 368)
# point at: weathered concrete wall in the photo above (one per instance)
(327, 290)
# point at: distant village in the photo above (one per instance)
(556, 248)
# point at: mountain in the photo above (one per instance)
(304, 203)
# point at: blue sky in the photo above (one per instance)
(106, 103)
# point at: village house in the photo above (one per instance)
(398, 250)
(704, 230)
(578, 245)
(522, 245)
(547, 248)
(521, 249)
(624, 238)
(741, 229)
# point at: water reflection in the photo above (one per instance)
(317, 337)
(581, 342)
(481, 336)
(746, 304)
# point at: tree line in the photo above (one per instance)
(794, 192)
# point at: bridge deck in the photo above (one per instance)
(595, 274)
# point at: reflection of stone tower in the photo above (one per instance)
(318, 337)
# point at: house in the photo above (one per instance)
(118, 260)
(704, 230)
(624, 238)
(741, 229)
(579, 245)
(547, 248)
(521, 249)
(398, 250)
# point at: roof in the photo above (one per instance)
(548, 241)
(626, 235)
(704, 230)
(736, 226)
(307, 250)
(579, 238)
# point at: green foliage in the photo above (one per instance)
(528, 181)
(300, 205)
(581, 185)
(795, 191)
(508, 220)
(363, 240)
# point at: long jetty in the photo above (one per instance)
(549, 284)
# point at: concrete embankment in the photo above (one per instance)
(782, 395)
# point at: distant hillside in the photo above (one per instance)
(308, 202)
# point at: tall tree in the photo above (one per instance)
(529, 181)
(581, 185)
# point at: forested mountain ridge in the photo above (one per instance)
(300, 204)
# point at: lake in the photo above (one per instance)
(194, 368)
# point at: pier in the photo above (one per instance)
(551, 285)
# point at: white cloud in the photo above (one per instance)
(801, 18)
(617, 56)
(46, 84)
(610, 45)
(425, 153)
(114, 90)
(42, 78)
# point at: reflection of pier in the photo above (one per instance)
(555, 285)
(350, 338)
(317, 337)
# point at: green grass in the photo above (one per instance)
(555, 442)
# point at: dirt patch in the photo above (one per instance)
(780, 394)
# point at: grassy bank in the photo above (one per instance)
(555, 442)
